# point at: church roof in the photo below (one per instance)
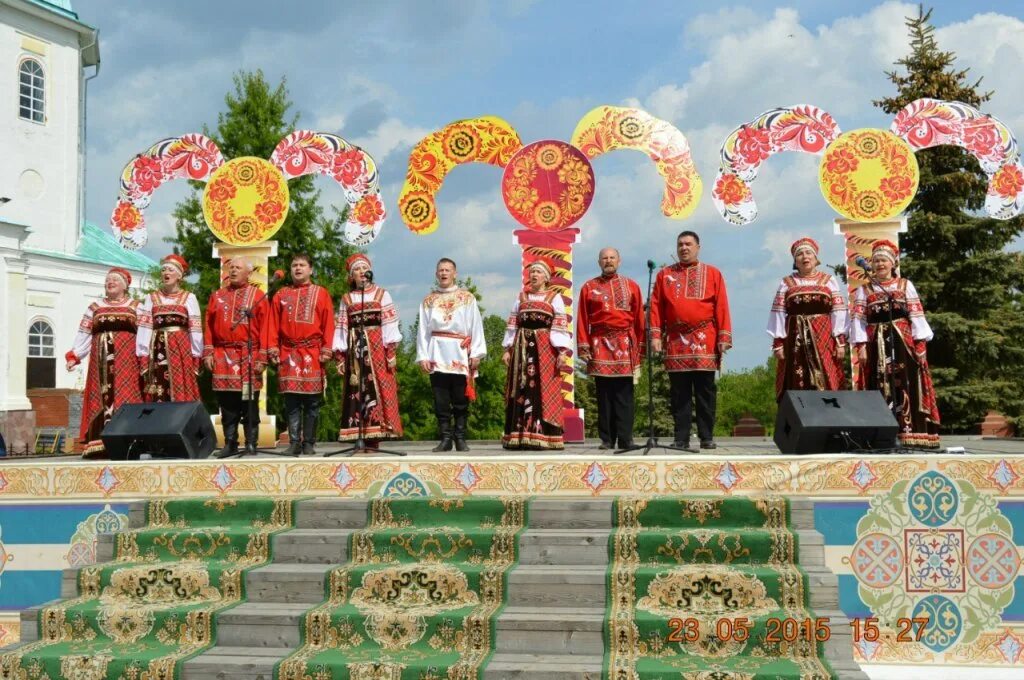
(62, 7)
(98, 246)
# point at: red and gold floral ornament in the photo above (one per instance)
(547, 185)
(192, 157)
(870, 175)
(246, 199)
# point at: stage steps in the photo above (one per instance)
(551, 628)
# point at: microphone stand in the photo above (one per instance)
(251, 404)
(360, 444)
(652, 441)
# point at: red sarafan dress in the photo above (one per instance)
(169, 344)
(106, 336)
(366, 336)
(536, 332)
(895, 305)
(808, 320)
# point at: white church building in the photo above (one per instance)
(52, 262)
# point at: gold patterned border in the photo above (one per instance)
(565, 475)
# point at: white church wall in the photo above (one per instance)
(40, 172)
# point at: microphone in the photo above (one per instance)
(863, 263)
(368, 275)
(650, 265)
(278, 275)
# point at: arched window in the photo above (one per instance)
(41, 363)
(32, 98)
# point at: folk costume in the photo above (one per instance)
(690, 315)
(366, 338)
(301, 329)
(450, 334)
(106, 334)
(808, 321)
(234, 316)
(610, 338)
(537, 335)
(170, 342)
(888, 319)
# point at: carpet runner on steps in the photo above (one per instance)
(702, 588)
(155, 606)
(420, 595)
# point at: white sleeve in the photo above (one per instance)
(840, 312)
(858, 317)
(919, 325)
(561, 338)
(83, 338)
(423, 334)
(391, 334)
(777, 315)
(478, 343)
(195, 325)
(340, 341)
(144, 329)
(511, 325)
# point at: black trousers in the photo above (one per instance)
(685, 386)
(234, 411)
(615, 410)
(449, 396)
(300, 429)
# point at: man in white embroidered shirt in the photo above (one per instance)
(449, 346)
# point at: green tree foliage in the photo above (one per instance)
(255, 119)
(969, 282)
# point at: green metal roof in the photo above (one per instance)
(62, 7)
(98, 246)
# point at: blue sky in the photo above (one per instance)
(384, 74)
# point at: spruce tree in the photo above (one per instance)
(255, 119)
(957, 258)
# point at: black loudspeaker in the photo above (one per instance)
(164, 430)
(833, 422)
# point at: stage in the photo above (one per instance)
(884, 519)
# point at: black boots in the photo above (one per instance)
(294, 433)
(230, 441)
(444, 425)
(252, 435)
(460, 431)
(309, 431)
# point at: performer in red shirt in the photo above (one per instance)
(690, 319)
(609, 337)
(299, 344)
(107, 336)
(235, 314)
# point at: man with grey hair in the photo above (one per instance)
(609, 337)
(235, 317)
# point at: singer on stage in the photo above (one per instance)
(536, 340)
(107, 336)
(690, 319)
(449, 346)
(610, 337)
(366, 339)
(299, 343)
(807, 324)
(170, 338)
(235, 315)
(891, 334)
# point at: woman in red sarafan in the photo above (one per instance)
(170, 338)
(107, 335)
(366, 336)
(807, 324)
(536, 339)
(890, 333)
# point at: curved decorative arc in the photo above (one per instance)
(192, 157)
(487, 139)
(607, 128)
(306, 152)
(804, 128)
